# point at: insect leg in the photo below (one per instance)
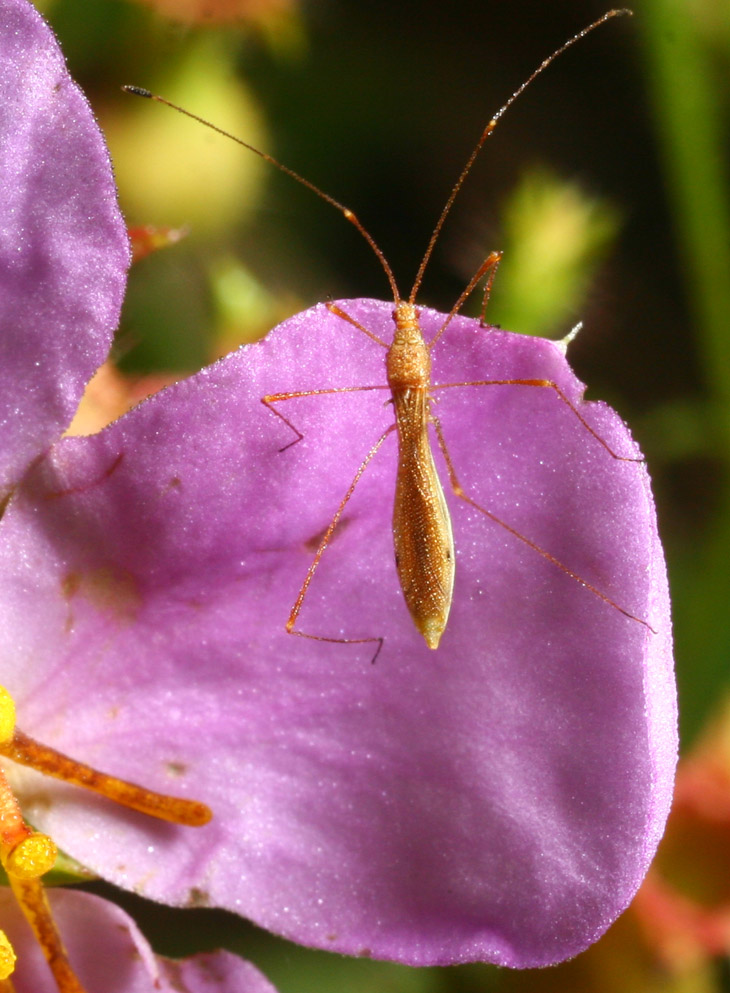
(545, 384)
(463, 495)
(338, 312)
(320, 552)
(488, 290)
(270, 399)
(491, 262)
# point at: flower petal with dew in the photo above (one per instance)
(63, 247)
(497, 799)
(110, 954)
(27, 855)
(63, 260)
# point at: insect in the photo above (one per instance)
(422, 532)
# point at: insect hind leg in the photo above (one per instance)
(461, 493)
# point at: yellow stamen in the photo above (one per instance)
(26, 855)
(31, 857)
(7, 957)
(7, 716)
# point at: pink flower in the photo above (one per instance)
(497, 799)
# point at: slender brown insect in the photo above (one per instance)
(422, 533)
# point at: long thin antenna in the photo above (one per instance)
(345, 211)
(490, 128)
(349, 214)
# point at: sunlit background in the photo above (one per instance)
(606, 185)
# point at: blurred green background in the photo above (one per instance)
(606, 185)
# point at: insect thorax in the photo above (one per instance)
(408, 361)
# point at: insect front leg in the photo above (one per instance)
(344, 316)
(488, 288)
(489, 265)
(270, 399)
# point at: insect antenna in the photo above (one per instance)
(491, 125)
(345, 211)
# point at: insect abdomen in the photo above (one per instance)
(424, 545)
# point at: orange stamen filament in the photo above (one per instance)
(33, 901)
(13, 829)
(26, 854)
(26, 751)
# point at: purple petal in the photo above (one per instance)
(217, 972)
(497, 799)
(63, 247)
(108, 952)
